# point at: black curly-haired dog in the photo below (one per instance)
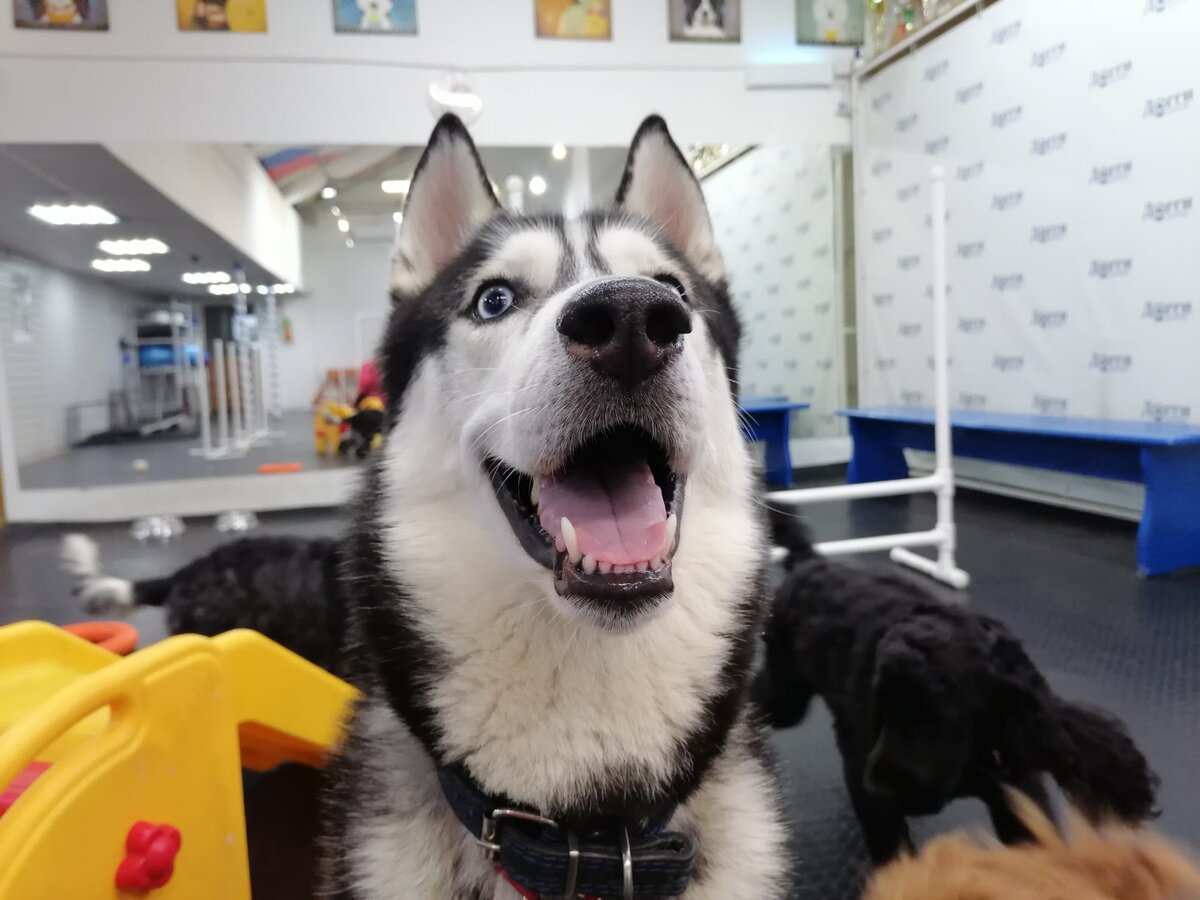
(931, 702)
(287, 588)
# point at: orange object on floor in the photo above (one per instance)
(117, 637)
(280, 468)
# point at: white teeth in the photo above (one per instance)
(589, 564)
(642, 565)
(534, 494)
(669, 537)
(623, 570)
(656, 563)
(604, 567)
(570, 541)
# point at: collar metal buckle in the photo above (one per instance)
(489, 840)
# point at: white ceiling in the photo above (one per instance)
(361, 199)
(87, 173)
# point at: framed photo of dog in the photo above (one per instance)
(831, 22)
(705, 21)
(68, 15)
(375, 16)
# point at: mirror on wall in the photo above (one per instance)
(150, 334)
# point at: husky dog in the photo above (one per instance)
(555, 580)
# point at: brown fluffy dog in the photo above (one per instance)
(1116, 864)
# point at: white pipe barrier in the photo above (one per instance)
(944, 534)
(235, 391)
(237, 373)
(249, 417)
(222, 394)
(262, 428)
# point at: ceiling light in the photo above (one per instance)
(537, 185)
(328, 192)
(398, 217)
(286, 288)
(133, 247)
(336, 210)
(350, 243)
(559, 151)
(343, 225)
(121, 265)
(244, 288)
(73, 214)
(262, 289)
(396, 185)
(205, 277)
(222, 289)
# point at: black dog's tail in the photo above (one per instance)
(1099, 767)
(102, 593)
(789, 533)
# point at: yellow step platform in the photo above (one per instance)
(157, 737)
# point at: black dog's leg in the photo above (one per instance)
(883, 824)
(1009, 828)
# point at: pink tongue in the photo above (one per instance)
(617, 511)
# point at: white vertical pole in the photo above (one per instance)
(941, 380)
(177, 351)
(274, 402)
(235, 392)
(247, 384)
(202, 401)
(256, 366)
(222, 395)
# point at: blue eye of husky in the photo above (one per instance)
(494, 299)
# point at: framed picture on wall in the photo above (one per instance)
(74, 15)
(589, 20)
(222, 15)
(705, 20)
(830, 22)
(375, 16)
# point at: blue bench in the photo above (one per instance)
(1163, 457)
(769, 419)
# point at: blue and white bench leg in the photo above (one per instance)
(874, 457)
(1169, 536)
(778, 450)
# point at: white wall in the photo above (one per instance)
(1072, 214)
(1072, 225)
(225, 188)
(72, 356)
(302, 83)
(346, 289)
(773, 213)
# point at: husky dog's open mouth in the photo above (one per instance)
(606, 522)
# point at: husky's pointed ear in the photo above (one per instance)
(658, 183)
(448, 200)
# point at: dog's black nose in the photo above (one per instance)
(627, 328)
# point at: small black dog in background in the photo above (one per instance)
(287, 588)
(931, 703)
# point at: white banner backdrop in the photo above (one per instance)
(772, 210)
(1069, 131)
